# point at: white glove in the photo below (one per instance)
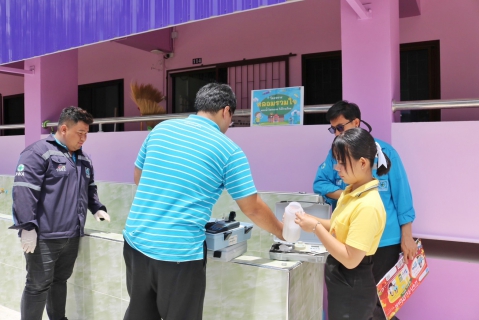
(29, 240)
(101, 215)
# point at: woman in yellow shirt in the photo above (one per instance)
(352, 234)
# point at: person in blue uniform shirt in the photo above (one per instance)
(393, 188)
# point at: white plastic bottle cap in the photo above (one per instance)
(300, 245)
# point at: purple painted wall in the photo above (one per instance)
(31, 28)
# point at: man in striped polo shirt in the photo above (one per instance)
(181, 170)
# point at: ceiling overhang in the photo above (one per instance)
(35, 28)
(407, 8)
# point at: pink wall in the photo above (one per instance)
(110, 60)
(114, 153)
(438, 161)
(284, 158)
(455, 24)
(302, 27)
(53, 87)
(281, 158)
(11, 147)
(10, 84)
(371, 62)
(449, 291)
(314, 27)
(441, 163)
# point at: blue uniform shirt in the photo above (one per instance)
(393, 188)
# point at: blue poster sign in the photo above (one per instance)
(277, 107)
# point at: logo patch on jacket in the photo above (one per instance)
(338, 182)
(20, 169)
(383, 185)
(323, 165)
(61, 168)
(87, 172)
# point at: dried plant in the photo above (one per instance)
(147, 99)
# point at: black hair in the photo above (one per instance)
(215, 96)
(357, 143)
(74, 114)
(348, 110)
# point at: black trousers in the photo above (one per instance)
(383, 260)
(48, 269)
(164, 290)
(351, 292)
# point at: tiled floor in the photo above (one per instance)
(8, 314)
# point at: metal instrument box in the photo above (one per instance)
(228, 253)
(217, 241)
(314, 250)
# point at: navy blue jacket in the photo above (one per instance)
(51, 192)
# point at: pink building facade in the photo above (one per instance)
(438, 156)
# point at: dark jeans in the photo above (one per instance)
(383, 260)
(48, 269)
(351, 292)
(162, 289)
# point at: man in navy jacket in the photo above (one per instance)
(53, 188)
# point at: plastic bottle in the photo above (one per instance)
(291, 230)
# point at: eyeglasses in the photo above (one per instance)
(339, 127)
(231, 114)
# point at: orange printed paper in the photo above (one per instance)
(401, 281)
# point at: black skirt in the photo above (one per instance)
(352, 293)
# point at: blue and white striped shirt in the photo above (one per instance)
(186, 164)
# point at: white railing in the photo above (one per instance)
(242, 113)
(435, 104)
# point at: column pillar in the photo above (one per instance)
(370, 61)
(52, 87)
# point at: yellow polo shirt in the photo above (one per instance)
(359, 218)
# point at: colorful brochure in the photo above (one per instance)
(401, 281)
